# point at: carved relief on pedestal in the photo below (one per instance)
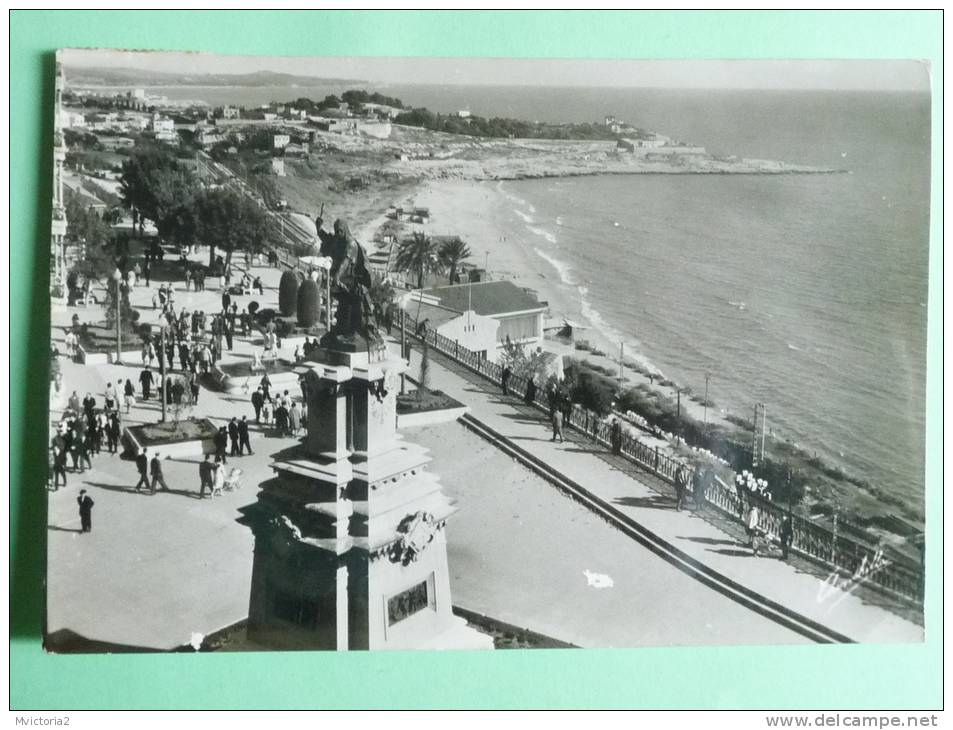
(416, 531)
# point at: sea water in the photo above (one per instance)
(805, 293)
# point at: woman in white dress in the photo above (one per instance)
(218, 483)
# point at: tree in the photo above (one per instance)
(83, 226)
(424, 383)
(452, 253)
(82, 223)
(265, 186)
(521, 363)
(112, 216)
(418, 255)
(308, 298)
(156, 184)
(230, 221)
(383, 296)
(288, 292)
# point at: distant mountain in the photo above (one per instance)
(141, 77)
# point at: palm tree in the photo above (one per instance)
(383, 298)
(418, 255)
(451, 254)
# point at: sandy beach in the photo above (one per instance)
(477, 212)
(482, 214)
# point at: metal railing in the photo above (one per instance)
(873, 565)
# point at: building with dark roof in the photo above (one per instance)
(518, 311)
(472, 331)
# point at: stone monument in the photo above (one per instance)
(350, 541)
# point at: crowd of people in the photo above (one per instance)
(84, 431)
(174, 355)
(281, 411)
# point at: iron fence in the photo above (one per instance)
(874, 565)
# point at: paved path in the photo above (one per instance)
(523, 552)
(154, 569)
(645, 499)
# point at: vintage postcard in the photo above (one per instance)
(368, 354)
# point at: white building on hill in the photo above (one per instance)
(164, 128)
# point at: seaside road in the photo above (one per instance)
(625, 487)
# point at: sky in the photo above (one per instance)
(886, 75)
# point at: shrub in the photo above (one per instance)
(308, 297)
(265, 316)
(145, 331)
(283, 328)
(601, 369)
(253, 307)
(288, 293)
(592, 392)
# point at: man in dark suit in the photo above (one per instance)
(142, 464)
(59, 463)
(226, 299)
(243, 440)
(85, 510)
(145, 380)
(205, 476)
(185, 356)
(89, 406)
(155, 466)
(229, 331)
(221, 441)
(113, 432)
(257, 401)
(233, 436)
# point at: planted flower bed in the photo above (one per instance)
(424, 407)
(97, 343)
(234, 376)
(188, 437)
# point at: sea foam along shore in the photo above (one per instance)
(503, 230)
(503, 234)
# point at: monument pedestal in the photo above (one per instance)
(350, 538)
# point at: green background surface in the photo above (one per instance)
(830, 677)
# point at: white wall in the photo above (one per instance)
(476, 333)
(521, 328)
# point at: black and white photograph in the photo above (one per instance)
(355, 353)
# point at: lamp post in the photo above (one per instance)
(486, 262)
(678, 412)
(757, 454)
(707, 381)
(117, 277)
(403, 350)
(162, 369)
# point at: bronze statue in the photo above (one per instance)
(350, 286)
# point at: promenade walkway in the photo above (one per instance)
(648, 501)
(155, 569)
